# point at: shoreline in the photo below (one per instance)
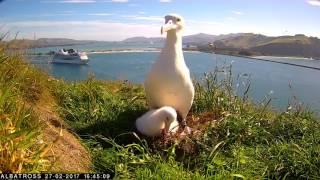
(141, 50)
(113, 51)
(133, 51)
(269, 60)
(123, 51)
(286, 57)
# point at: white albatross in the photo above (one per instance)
(169, 83)
(155, 121)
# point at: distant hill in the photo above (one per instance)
(248, 44)
(204, 39)
(298, 45)
(234, 44)
(143, 40)
(44, 42)
(243, 41)
(196, 39)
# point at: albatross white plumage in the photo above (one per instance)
(168, 82)
(155, 121)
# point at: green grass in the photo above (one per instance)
(98, 108)
(249, 141)
(241, 141)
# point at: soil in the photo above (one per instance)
(67, 153)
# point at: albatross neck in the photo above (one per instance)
(174, 40)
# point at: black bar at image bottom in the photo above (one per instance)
(57, 176)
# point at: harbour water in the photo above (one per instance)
(267, 78)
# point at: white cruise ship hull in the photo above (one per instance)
(70, 59)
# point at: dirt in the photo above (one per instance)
(187, 143)
(67, 154)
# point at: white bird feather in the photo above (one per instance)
(169, 83)
(154, 121)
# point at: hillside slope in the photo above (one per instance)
(44, 42)
(33, 136)
(68, 154)
(242, 41)
(298, 45)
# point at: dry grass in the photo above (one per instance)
(68, 154)
(31, 136)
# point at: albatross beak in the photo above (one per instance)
(167, 128)
(168, 26)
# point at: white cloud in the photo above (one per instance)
(95, 30)
(147, 18)
(113, 31)
(140, 25)
(237, 12)
(195, 22)
(165, 1)
(314, 2)
(230, 18)
(209, 27)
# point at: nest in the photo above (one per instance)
(186, 144)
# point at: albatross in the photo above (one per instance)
(168, 83)
(155, 121)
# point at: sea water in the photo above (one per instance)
(281, 82)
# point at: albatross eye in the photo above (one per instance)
(178, 20)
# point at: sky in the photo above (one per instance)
(114, 20)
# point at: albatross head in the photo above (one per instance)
(170, 115)
(173, 23)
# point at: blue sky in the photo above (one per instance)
(120, 19)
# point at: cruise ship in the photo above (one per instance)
(70, 56)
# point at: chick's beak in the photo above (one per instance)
(168, 26)
(167, 128)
